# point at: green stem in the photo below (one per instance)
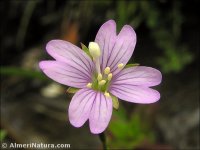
(103, 140)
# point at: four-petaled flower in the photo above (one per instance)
(100, 75)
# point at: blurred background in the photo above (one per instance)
(33, 107)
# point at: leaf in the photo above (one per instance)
(115, 102)
(16, 71)
(72, 90)
(85, 49)
(131, 65)
(3, 134)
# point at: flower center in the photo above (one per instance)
(100, 81)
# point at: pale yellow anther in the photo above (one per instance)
(89, 85)
(102, 82)
(109, 76)
(120, 66)
(99, 77)
(94, 50)
(107, 70)
(107, 94)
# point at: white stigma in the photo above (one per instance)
(94, 50)
(120, 66)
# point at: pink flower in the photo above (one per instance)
(101, 75)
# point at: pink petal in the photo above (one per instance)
(140, 75)
(100, 114)
(64, 51)
(65, 73)
(80, 106)
(106, 37)
(123, 48)
(135, 94)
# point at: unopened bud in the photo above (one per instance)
(94, 49)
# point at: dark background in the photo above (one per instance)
(33, 108)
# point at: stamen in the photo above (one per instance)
(102, 82)
(99, 77)
(107, 94)
(120, 66)
(107, 70)
(109, 76)
(89, 85)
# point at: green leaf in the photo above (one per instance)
(85, 49)
(21, 72)
(131, 65)
(3, 134)
(72, 90)
(115, 102)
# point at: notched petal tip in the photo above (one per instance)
(40, 65)
(108, 26)
(75, 124)
(155, 97)
(129, 31)
(158, 97)
(140, 76)
(43, 64)
(136, 94)
(110, 22)
(159, 77)
(95, 131)
(52, 43)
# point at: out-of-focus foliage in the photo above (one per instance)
(165, 28)
(128, 132)
(30, 24)
(72, 90)
(3, 134)
(164, 19)
(15, 71)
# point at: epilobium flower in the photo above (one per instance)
(101, 75)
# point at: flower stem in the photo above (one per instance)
(103, 140)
